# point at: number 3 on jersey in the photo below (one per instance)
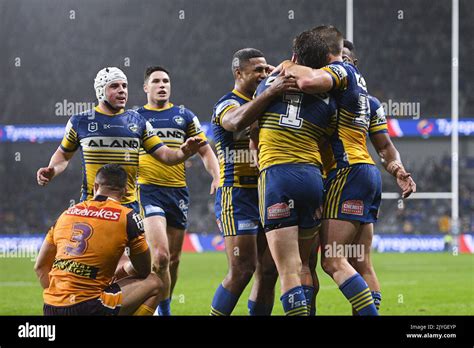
(291, 118)
(81, 232)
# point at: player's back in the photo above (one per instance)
(90, 238)
(292, 126)
(349, 136)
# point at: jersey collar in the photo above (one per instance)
(240, 95)
(148, 107)
(121, 111)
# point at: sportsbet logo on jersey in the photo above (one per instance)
(110, 214)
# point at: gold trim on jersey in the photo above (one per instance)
(151, 108)
(240, 95)
(279, 144)
(227, 212)
(333, 197)
(99, 110)
(261, 196)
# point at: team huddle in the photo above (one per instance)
(292, 175)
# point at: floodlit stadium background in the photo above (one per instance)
(51, 50)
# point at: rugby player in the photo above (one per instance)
(387, 151)
(111, 134)
(290, 183)
(236, 204)
(81, 251)
(163, 193)
(353, 188)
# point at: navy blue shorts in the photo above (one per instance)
(290, 195)
(108, 303)
(353, 193)
(237, 211)
(170, 202)
(134, 205)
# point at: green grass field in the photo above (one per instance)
(412, 284)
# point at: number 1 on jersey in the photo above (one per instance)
(292, 119)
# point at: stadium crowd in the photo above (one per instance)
(24, 212)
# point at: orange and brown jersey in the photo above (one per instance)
(90, 238)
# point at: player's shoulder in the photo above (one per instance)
(374, 101)
(226, 101)
(265, 84)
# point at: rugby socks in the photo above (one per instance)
(377, 296)
(294, 302)
(356, 290)
(164, 308)
(144, 310)
(308, 294)
(223, 302)
(258, 308)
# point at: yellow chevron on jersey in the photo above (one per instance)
(109, 138)
(349, 139)
(279, 144)
(292, 126)
(173, 124)
(237, 167)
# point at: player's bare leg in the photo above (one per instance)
(306, 243)
(241, 254)
(139, 296)
(335, 235)
(155, 232)
(313, 261)
(175, 242)
(283, 244)
(262, 295)
(364, 264)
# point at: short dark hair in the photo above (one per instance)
(332, 36)
(113, 176)
(243, 56)
(311, 50)
(350, 46)
(151, 69)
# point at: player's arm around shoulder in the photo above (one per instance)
(238, 118)
(310, 81)
(44, 261)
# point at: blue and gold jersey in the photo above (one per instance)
(378, 124)
(109, 138)
(292, 126)
(348, 140)
(237, 168)
(173, 125)
(378, 119)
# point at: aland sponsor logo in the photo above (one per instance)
(97, 143)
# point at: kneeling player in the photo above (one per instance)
(81, 251)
